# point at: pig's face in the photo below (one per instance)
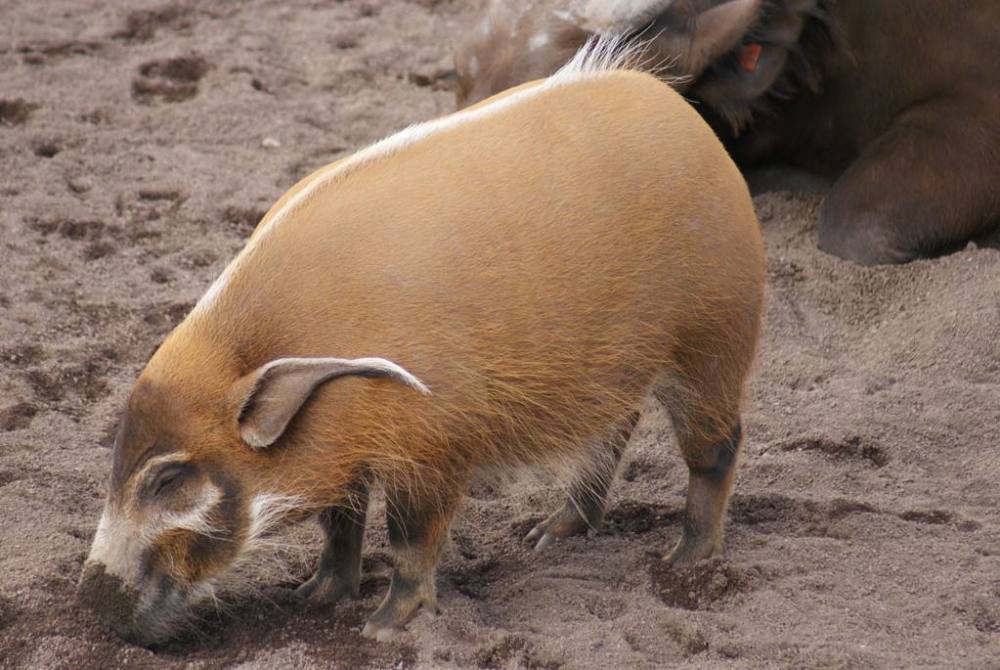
(174, 520)
(200, 475)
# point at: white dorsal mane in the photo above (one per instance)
(600, 56)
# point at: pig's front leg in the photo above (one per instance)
(338, 573)
(417, 531)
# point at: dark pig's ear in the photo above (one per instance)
(762, 60)
(718, 31)
(274, 393)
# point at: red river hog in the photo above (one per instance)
(498, 289)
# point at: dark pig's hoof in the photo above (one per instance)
(564, 523)
(320, 590)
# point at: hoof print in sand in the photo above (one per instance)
(700, 586)
(14, 112)
(637, 518)
(852, 448)
(71, 229)
(781, 515)
(46, 148)
(141, 25)
(983, 611)
(164, 317)
(933, 517)
(243, 219)
(86, 380)
(142, 211)
(92, 233)
(511, 651)
(169, 79)
(43, 52)
(21, 355)
(7, 612)
(161, 274)
(606, 608)
(443, 79)
(477, 580)
(637, 468)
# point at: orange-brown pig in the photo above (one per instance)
(501, 288)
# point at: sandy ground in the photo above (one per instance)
(139, 145)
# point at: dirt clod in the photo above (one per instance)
(17, 416)
(14, 112)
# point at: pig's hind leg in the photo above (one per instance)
(583, 511)
(703, 403)
(338, 573)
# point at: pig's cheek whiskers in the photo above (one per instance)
(262, 550)
(275, 556)
(207, 593)
(267, 512)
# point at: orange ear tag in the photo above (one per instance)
(750, 56)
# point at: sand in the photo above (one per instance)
(140, 143)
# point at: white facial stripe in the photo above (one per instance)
(196, 519)
(120, 542)
(600, 56)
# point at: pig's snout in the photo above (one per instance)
(114, 603)
(119, 606)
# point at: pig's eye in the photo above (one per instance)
(168, 478)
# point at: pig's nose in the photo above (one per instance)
(109, 597)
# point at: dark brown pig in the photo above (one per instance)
(898, 102)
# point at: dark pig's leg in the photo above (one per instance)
(418, 528)
(703, 399)
(925, 187)
(339, 571)
(711, 472)
(584, 510)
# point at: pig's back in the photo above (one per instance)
(598, 200)
(538, 262)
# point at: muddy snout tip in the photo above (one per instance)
(111, 600)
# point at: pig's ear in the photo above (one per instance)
(718, 31)
(275, 392)
(763, 64)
